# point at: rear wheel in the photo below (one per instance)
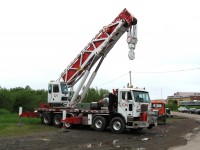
(117, 125)
(46, 118)
(69, 125)
(99, 123)
(150, 126)
(57, 120)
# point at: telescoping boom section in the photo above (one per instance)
(95, 51)
(100, 45)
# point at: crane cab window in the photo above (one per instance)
(55, 88)
(64, 88)
(50, 88)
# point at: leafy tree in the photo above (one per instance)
(103, 93)
(94, 95)
(6, 100)
(29, 99)
(24, 99)
(171, 105)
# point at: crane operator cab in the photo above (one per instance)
(58, 92)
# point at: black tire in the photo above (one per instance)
(46, 118)
(150, 126)
(117, 125)
(99, 123)
(164, 121)
(139, 129)
(57, 120)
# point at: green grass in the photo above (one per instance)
(170, 119)
(9, 125)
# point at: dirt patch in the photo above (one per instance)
(176, 132)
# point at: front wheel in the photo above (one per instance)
(117, 125)
(150, 126)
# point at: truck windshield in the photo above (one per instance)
(64, 88)
(157, 105)
(141, 96)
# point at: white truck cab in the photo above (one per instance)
(57, 92)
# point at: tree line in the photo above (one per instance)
(29, 99)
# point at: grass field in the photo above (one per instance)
(9, 125)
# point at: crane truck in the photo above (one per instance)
(128, 107)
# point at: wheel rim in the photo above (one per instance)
(57, 121)
(98, 124)
(46, 120)
(117, 125)
(67, 125)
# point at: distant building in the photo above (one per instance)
(187, 94)
(184, 96)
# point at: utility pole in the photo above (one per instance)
(130, 79)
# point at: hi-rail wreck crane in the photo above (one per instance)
(127, 108)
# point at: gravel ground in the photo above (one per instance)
(193, 142)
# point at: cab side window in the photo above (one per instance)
(55, 88)
(123, 95)
(129, 96)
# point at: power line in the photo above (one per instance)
(115, 79)
(170, 71)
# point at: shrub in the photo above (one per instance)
(4, 111)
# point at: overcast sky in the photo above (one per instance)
(39, 38)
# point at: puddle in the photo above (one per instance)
(188, 136)
(196, 129)
(44, 139)
(114, 144)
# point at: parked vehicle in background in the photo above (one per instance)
(183, 109)
(197, 111)
(169, 113)
(192, 110)
(159, 107)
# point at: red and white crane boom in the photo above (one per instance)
(96, 50)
